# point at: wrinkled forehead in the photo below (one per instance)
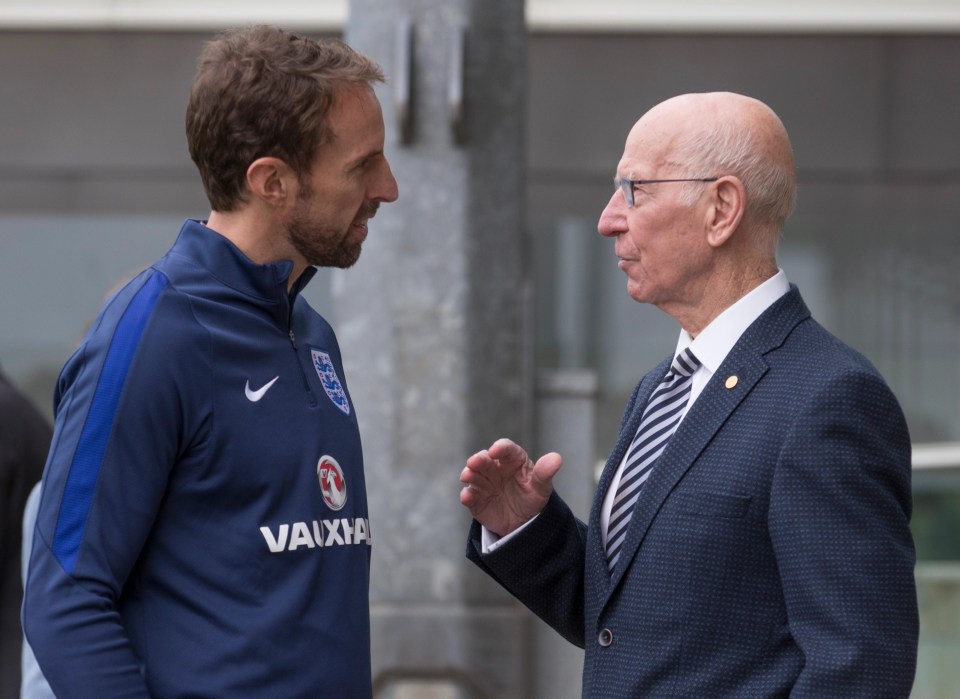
(649, 147)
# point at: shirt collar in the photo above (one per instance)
(715, 341)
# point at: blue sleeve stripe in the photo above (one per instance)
(85, 468)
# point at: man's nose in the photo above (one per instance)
(613, 218)
(385, 187)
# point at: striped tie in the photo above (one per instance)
(659, 421)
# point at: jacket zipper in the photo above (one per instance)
(296, 354)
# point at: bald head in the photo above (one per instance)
(723, 133)
(704, 186)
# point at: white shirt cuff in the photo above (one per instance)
(490, 542)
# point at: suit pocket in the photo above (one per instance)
(719, 505)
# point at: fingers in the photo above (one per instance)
(493, 466)
(477, 491)
(478, 469)
(480, 461)
(503, 488)
(468, 496)
(474, 476)
(484, 476)
(508, 451)
(487, 471)
(547, 467)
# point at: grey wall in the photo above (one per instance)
(95, 180)
(874, 241)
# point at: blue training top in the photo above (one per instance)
(203, 529)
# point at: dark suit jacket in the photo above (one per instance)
(769, 554)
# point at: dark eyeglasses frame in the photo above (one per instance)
(627, 186)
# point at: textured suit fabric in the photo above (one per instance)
(769, 554)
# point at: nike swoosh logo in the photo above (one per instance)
(254, 396)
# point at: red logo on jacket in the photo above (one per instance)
(332, 483)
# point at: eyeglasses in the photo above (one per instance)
(627, 186)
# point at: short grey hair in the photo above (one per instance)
(727, 148)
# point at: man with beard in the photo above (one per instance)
(203, 527)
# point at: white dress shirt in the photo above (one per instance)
(711, 347)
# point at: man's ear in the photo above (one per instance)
(272, 181)
(726, 210)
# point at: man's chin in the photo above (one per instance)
(343, 259)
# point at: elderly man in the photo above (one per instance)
(749, 536)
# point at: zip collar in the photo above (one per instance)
(226, 263)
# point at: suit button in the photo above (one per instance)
(605, 638)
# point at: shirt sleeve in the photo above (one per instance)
(490, 542)
(119, 426)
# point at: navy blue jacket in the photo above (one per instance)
(203, 527)
(769, 554)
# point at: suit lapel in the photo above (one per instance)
(706, 417)
(596, 559)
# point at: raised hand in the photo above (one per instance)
(504, 488)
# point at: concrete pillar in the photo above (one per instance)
(575, 298)
(566, 419)
(432, 322)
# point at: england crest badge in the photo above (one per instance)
(329, 379)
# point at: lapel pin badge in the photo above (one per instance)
(731, 381)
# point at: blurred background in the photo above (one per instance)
(95, 181)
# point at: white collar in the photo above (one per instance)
(715, 341)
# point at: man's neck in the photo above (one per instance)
(256, 238)
(716, 297)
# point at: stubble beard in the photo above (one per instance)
(322, 246)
